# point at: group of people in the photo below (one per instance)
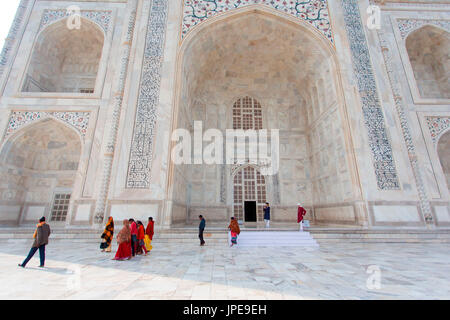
(134, 239)
(301, 212)
(234, 225)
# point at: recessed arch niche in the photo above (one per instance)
(36, 163)
(428, 49)
(65, 60)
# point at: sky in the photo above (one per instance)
(7, 13)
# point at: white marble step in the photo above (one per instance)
(275, 239)
(284, 234)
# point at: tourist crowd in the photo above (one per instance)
(135, 239)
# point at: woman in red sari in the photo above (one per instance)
(124, 241)
(301, 212)
(140, 238)
(150, 231)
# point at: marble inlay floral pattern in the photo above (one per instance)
(380, 145)
(406, 26)
(313, 11)
(102, 18)
(141, 156)
(18, 119)
(437, 126)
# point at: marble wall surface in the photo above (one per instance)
(363, 113)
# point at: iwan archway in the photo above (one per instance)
(291, 70)
(39, 166)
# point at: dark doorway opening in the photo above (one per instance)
(250, 211)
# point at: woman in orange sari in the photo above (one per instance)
(235, 230)
(124, 241)
(107, 235)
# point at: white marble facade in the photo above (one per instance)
(363, 113)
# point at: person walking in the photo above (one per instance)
(133, 229)
(234, 230)
(124, 242)
(150, 230)
(201, 229)
(40, 236)
(267, 215)
(140, 239)
(107, 235)
(301, 212)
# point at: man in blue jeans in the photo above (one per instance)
(40, 236)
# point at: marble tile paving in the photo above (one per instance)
(77, 270)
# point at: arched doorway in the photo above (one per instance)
(428, 49)
(65, 60)
(257, 68)
(38, 166)
(443, 149)
(249, 194)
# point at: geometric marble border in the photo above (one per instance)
(402, 113)
(18, 119)
(141, 154)
(313, 11)
(383, 160)
(125, 53)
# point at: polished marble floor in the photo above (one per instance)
(76, 270)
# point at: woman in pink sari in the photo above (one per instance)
(124, 241)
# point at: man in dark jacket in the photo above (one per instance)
(40, 236)
(201, 228)
(267, 214)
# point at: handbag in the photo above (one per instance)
(306, 223)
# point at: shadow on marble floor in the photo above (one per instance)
(186, 271)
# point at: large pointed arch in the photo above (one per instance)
(313, 13)
(261, 52)
(257, 9)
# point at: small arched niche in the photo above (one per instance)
(443, 149)
(65, 60)
(38, 168)
(428, 49)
